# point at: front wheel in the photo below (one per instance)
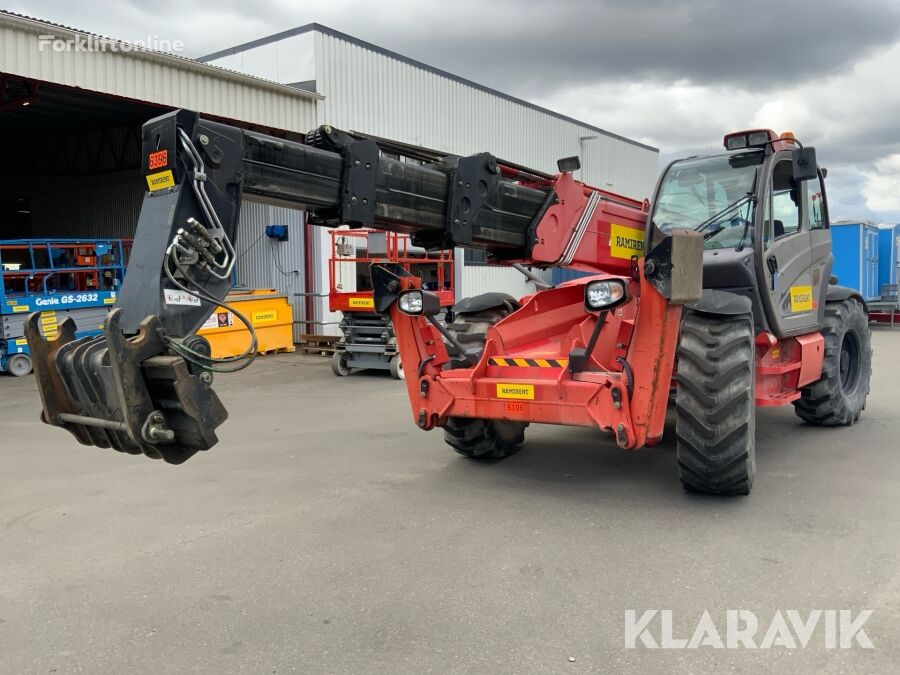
(715, 407)
(839, 396)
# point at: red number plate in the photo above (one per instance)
(515, 408)
(159, 159)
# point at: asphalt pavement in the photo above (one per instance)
(327, 534)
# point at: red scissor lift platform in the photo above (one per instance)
(368, 339)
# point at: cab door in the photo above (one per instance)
(820, 241)
(788, 291)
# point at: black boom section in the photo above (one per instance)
(337, 178)
(143, 387)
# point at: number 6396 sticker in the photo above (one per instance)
(515, 408)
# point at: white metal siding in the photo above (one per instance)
(373, 93)
(155, 77)
(478, 279)
(266, 263)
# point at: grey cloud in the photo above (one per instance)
(544, 45)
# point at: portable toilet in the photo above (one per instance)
(888, 255)
(855, 248)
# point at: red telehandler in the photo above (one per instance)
(717, 294)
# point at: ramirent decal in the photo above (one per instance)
(509, 362)
(267, 316)
(625, 242)
(801, 299)
(160, 181)
(525, 391)
(368, 303)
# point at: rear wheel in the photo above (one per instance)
(472, 437)
(839, 396)
(715, 409)
(484, 439)
(19, 365)
(396, 368)
(339, 364)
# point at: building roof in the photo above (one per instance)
(317, 27)
(24, 21)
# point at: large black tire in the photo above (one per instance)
(715, 408)
(472, 437)
(839, 396)
(471, 331)
(484, 439)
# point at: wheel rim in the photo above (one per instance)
(849, 365)
(19, 366)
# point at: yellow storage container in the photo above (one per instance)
(268, 311)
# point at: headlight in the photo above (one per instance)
(604, 294)
(410, 302)
(416, 302)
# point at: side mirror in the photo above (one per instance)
(804, 161)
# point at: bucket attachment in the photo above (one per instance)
(126, 393)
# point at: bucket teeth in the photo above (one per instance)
(125, 393)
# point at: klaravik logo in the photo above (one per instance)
(742, 629)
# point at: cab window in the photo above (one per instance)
(783, 208)
(815, 204)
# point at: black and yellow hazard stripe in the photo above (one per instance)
(510, 362)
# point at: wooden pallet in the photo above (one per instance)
(277, 350)
(319, 344)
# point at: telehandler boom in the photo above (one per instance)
(716, 296)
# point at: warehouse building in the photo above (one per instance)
(71, 117)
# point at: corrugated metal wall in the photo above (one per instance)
(373, 93)
(154, 77)
(266, 263)
(478, 279)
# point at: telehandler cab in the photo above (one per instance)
(716, 294)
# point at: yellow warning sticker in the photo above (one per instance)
(109, 301)
(801, 299)
(265, 317)
(161, 180)
(368, 303)
(20, 308)
(20, 342)
(523, 391)
(625, 242)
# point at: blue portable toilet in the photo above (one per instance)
(855, 248)
(888, 254)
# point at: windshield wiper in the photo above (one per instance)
(750, 196)
(731, 207)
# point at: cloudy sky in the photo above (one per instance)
(676, 74)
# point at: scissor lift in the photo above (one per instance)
(368, 339)
(61, 278)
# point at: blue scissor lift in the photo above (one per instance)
(61, 278)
